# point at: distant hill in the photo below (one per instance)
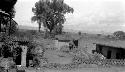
(91, 29)
(36, 28)
(67, 28)
(27, 27)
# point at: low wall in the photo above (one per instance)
(104, 62)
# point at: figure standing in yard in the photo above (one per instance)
(71, 45)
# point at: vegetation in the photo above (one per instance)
(7, 23)
(8, 26)
(58, 29)
(79, 33)
(8, 6)
(119, 34)
(50, 13)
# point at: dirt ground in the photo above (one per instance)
(113, 69)
(55, 57)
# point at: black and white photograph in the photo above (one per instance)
(62, 35)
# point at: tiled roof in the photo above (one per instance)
(116, 44)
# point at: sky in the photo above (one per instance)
(89, 15)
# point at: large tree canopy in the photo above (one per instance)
(50, 13)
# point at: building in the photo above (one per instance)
(67, 40)
(61, 42)
(21, 50)
(111, 50)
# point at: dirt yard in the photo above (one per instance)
(58, 57)
(64, 58)
(54, 57)
(113, 69)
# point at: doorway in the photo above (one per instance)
(18, 57)
(109, 54)
(117, 55)
(18, 60)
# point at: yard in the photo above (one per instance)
(113, 69)
(58, 57)
(90, 70)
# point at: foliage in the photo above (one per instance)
(79, 33)
(6, 27)
(8, 6)
(97, 56)
(10, 46)
(31, 32)
(119, 34)
(7, 63)
(50, 13)
(13, 27)
(36, 61)
(35, 52)
(58, 29)
(24, 35)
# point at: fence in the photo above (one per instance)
(61, 66)
(79, 61)
(103, 62)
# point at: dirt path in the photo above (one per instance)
(113, 69)
(91, 70)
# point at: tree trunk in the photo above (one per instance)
(39, 26)
(39, 29)
(50, 31)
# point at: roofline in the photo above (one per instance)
(109, 45)
(64, 40)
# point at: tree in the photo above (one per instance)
(7, 12)
(79, 33)
(12, 29)
(7, 6)
(119, 34)
(50, 13)
(58, 29)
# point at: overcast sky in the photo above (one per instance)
(97, 15)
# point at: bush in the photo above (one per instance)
(97, 56)
(39, 62)
(119, 34)
(7, 63)
(36, 62)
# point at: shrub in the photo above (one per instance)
(36, 62)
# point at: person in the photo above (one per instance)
(70, 45)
